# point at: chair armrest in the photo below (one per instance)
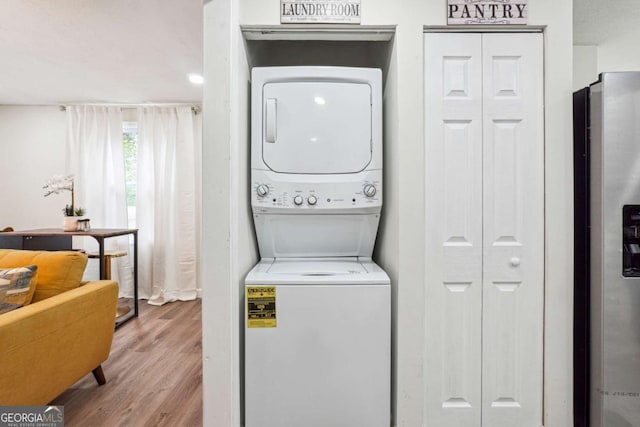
(45, 347)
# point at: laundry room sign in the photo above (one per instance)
(470, 12)
(320, 11)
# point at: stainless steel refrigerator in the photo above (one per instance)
(607, 252)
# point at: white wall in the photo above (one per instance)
(620, 53)
(228, 243)
(585, 66)
(32, 141)
(558, 341)
(228, 250)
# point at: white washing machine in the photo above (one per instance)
(317, 321)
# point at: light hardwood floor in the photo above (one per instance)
(154, 373)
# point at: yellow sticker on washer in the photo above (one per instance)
(261, 307)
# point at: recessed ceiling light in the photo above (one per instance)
(196, 79)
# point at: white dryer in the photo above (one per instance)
(317, 322)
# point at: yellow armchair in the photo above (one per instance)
(47, 346)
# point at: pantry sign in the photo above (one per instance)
(469, 12)
(320, 11)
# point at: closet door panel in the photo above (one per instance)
(513, 223)
(453, 150)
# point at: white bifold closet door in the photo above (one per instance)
(484, 152)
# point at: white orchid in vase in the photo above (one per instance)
(59, 183)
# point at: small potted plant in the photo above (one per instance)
(56, 185)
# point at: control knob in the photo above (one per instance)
(312, 200)
(370, 190)
(297, 200)
(262, 190)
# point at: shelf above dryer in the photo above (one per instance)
(334, 32)
(367, 46)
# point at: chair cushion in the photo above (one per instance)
(58, 271)
(17, 286)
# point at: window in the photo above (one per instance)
(129, 140)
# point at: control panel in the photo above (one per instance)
(315, 195)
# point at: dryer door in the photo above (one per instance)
(316, 127)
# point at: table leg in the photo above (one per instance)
(135, 274)
(103, 270)
(121, 322)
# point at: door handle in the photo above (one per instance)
(271, 119)
(515, 261)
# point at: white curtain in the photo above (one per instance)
(95, 157)
(166, 203)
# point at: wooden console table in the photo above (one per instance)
(52, 238)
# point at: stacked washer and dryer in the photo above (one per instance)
(317, 323)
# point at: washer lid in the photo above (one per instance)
(316, 271)
(316, 127)
(314, 267)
